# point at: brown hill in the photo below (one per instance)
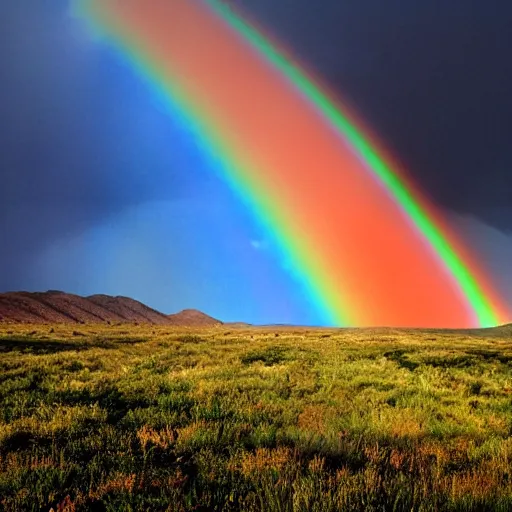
(59, 307)
(128, 310)
(193, 317)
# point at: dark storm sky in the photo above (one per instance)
(81, 141)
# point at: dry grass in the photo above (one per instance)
(158, 418)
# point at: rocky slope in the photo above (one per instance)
(60, 307)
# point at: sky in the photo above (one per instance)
(103, 190)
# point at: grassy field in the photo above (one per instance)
(144, 418)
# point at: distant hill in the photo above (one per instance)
(59, 307)
(192, 317)
(500, 331)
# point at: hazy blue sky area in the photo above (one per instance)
(104, 190)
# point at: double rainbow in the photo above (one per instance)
(366, 246)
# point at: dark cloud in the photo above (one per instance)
(80, 137)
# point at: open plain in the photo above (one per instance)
(127, 417)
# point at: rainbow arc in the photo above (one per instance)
(366, 246)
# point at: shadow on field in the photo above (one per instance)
(25, 345)
(109, 398)
(24, 440)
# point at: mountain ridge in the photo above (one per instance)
(55, 306)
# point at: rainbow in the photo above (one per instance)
(366, 246)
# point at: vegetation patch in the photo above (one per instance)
(268, 356)
(190, 338)
(401, 357)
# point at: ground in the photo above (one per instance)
(271, 419)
